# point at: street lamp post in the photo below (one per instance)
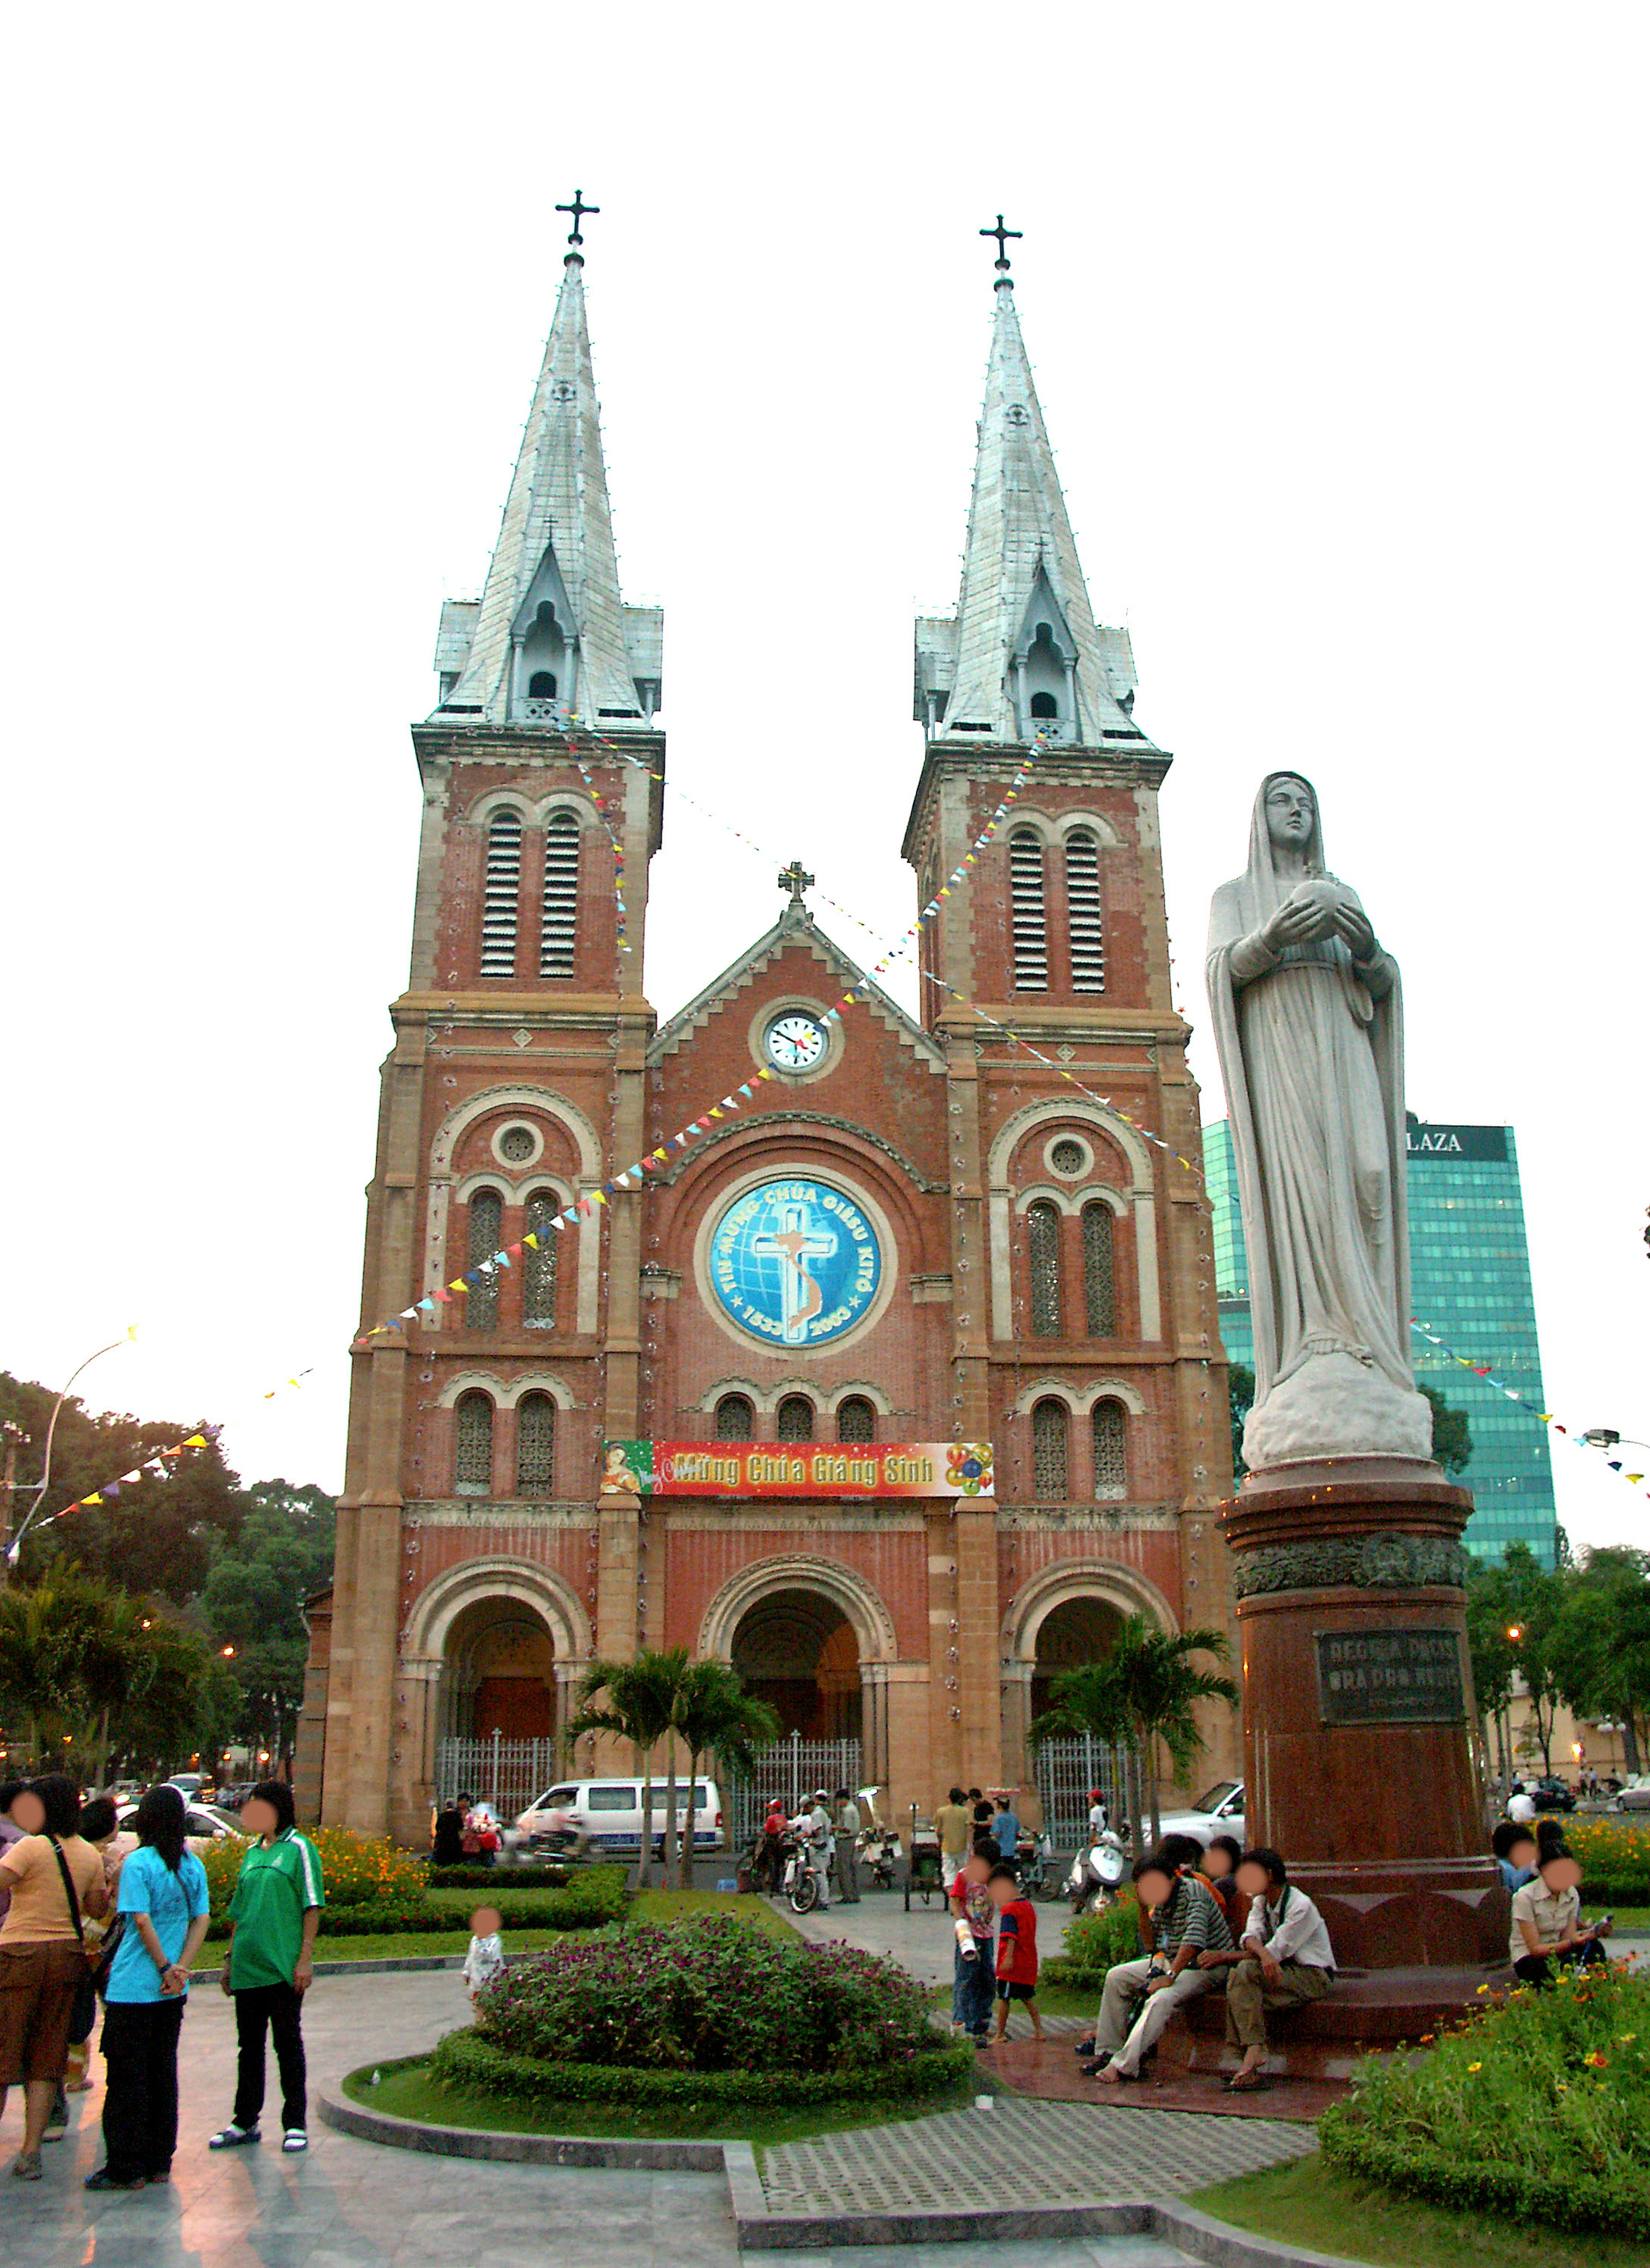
(14, 1545)
(1606, 1437)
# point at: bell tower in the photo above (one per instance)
(517, 1071)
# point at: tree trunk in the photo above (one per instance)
(1153, 1789)
(1630, 1739)
(1137, 1824)
(644, 1863)
(688, 1839)
(668, 1865)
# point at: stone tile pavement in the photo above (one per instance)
(1020, 2153)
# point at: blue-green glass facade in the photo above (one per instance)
(1470, 1282)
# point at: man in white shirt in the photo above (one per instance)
(1284, 1961)
(813, 1823)
(1521, 1809)
(1097, 1821)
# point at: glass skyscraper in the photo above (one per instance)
(1470, 1282)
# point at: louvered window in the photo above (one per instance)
(538, 1269)
(1111, 1450)
(856, 1419)
(735, 1419)
(473, 1472)
(487, 1222)
(1029, 911)
(1099, 1273)
(502, 895)
(535, 1446)
(1083, 911)
(559, 936)
(1050, 1460)
(796, 1418)
(1042, 1236)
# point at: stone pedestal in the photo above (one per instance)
(1359, 1714)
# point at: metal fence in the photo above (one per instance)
(792, 1769)
(1065, 1772)
(507, 1774)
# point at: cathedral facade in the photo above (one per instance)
(897, 1384)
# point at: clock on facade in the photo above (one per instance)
(795, 1042)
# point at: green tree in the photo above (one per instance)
(1512, 1610)
(279, 1556)
(1452, 1435)
(1600, 1643)
(637, 1701)
(1089, 1702)
(1240, 1386)
(714, 1716)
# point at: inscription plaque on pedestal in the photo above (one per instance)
(1390, 1677)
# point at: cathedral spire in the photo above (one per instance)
(551, 638)
(1022, 653)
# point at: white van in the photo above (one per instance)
(610, 1811)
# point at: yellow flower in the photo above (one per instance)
(1474, 2067)
(1426, 2039)
(1484, 1988)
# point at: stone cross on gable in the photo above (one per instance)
(793, 878)
(578, 209)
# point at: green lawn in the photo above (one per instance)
(1052, 2000)
(1308, 2203)
(676, 1905)
(1631, 1921)
(407, 2091)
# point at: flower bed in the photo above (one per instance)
(598, 1897)
(1615, 1858)
(469, 2059)
(1537, 2106)
(1096, 1942)
(703, 1997)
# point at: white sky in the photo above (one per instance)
(1337, 321)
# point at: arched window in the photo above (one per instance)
(538, 1269)
(1042, 1236)
(559, 934)
(856, 1418)
(535, 1446)
(1099, 1274)
(1083, 911)
(735, 1419)
(1111, 1450)
(487, 1224)
(1051, 1460)
(796, 1418)
(541, 686)
(1043, 705)
(1027, 911)
(500, 893)
(473, 1466)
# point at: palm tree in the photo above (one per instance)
(1090, 1701)
(41, 1638)
(715, 1716)
(639, 1707)
(1161, 1689)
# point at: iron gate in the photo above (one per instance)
(791, 1769)
(507, 1774)
(1065, 1772)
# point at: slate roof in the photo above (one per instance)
(1018, 532)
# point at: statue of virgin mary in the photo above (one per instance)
(1308, 1018)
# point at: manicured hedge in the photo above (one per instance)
(596, 1898)
(1537, 2106)
(468, 2060)
(486, 1878)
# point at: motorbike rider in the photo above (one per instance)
(812, 1824)
(770, 1863)
(1098, 1820)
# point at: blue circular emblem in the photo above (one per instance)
(795, 1263)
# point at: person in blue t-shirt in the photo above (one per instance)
(164, 1903)
(1515, 1849)
(1005, 1833)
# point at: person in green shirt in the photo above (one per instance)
(273, 1916)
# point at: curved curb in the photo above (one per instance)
(350, 2117)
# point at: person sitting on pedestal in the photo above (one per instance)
(1221, 1862)
(1515, 1849)
(1547, 1929)
(1285, 1959)
(1140, 1996)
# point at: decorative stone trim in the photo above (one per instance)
(786, 1119)
(1380, 1563)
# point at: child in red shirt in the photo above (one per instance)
(1016, 1950)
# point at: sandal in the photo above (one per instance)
(1246, 2082)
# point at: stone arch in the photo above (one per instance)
(1104, 834)
(1081, 1399)
(507, 1393)
(1118, 1586)
(566, 799)
(514, 1095)
(441, 1602)
(1000, 1200)
(1072, 1201)
(872, 1624)
(488, 806)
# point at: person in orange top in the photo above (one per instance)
(1016, 1950)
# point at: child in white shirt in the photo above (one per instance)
(485, 1960)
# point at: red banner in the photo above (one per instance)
(777, 1469)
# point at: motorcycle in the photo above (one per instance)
(1096, 1873)
(878, 1846)
(798, 1885)
(1034, 1858)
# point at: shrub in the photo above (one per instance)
(596, 1899)
(1537, 2105)
(1094, 1942)
(1615, 1858)
(486, 1878)
(470, 2059)
(710, 1994)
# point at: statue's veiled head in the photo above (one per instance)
(1291, 814)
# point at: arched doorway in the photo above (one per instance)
(1075, 1632)
(498, 1674)
(796, 1650)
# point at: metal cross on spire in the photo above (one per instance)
(1004, 236)
(578, 209)
(793, 878)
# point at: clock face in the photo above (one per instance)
(795, 1041)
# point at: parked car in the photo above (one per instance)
(203, 1827)
(1634, 1794)
(1551, 1794)
(610, 1810)
(1218, 1812)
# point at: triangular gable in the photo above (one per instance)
(546, 584)
(1044, 606)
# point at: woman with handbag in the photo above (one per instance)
(164, 1907)
(46, 1995)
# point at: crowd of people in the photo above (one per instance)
(84, 1919)
(826, 1831)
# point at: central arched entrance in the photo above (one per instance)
(796, 1650)
(499, 1673)
(1071, 1635)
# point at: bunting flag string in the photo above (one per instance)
(1542, 1417)
(154, 1464)
(615, 835)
